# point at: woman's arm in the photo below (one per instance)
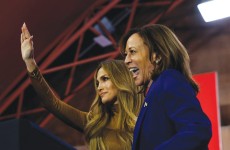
(193, 127)
(60, 109)
(65, 112)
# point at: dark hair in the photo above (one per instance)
(164, 43)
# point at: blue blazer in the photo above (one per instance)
(171, 117)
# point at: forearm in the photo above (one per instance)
(60, 109)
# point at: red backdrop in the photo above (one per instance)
(208, 97)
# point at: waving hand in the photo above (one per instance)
(27, 49)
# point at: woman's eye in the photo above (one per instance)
(97, 84)
(132, 51)
(105, 78)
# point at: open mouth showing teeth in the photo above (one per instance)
(133, 70)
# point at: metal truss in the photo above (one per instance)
(77, 39)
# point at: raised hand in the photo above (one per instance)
(27, 48)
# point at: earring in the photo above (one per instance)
(157, 61)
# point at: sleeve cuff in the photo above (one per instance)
(34, 74)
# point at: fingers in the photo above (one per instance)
(31, 41)
(25, 32)
(21, 38)
(25, 35)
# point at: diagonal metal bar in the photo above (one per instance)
(19, 108)
(133, 11)
(173, 5)
(108, 34)
(144, 4)
(76, 35)
(13, 96)
(28, 112)
(78, 63)
(156, 18)
(94, 31)
(73, 69)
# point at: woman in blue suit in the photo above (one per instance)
(171, 117)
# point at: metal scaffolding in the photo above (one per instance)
(78, 40)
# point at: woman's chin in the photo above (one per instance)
(139, 82)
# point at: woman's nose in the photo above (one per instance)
(127, 59)
(99, 87)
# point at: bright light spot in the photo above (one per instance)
(214, 10)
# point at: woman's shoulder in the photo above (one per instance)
(172, 78)
(171, 74)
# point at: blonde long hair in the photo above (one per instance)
(129, 105)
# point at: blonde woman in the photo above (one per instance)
(110, 122)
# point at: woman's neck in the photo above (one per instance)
(149, 84)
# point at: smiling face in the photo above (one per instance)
(137, 59)
(106, 89)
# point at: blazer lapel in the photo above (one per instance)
(140, 120)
